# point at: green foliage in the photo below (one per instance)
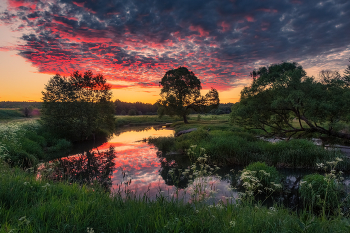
(61, 145)
(79, 107)
(24, 144)
(32, 147)
(184, 141)
(235, 146)
(316, 188)
(325, 193)
(164, 144)
(282, 92)
(32, 205)
(132, 112)
(8, 114)
(268, 176)
(180, 94)
(122, 108)
(143, 120)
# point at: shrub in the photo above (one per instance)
(132, 112)
(62, 144)
(21, 158)
(32, 148)
(164, 144)
(259, 174)
(318, 191)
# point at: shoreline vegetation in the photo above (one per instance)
(32, 205)
(228, 144)
(29, 204)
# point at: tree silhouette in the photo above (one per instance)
(78, 107)
(181, 92)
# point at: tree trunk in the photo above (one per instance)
(185, 118)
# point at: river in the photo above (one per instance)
(138, 169)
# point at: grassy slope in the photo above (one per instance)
(31, 205)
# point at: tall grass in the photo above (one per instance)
(31, 205)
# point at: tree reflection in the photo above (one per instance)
(87, 168)
(176, 178)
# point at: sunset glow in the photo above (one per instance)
(133, 43)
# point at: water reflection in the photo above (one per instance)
(138, 168)
(86, 168)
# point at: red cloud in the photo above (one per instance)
(199, 29)
(115, 86)
(249, 18)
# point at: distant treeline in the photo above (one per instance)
(22, 105)
(121, 108)
(138, 108)
(222, 109)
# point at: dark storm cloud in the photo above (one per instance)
(137, 41)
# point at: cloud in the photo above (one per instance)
(138, 41)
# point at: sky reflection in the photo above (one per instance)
(137, 168)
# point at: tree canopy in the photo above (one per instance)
(181, 92)
(282, 99)
(78, 107)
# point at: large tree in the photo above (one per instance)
(78, 107)
(282, 99)
(181, 92)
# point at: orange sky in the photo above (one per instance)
(133, 44)
(20, 81)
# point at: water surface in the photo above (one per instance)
(138, 168)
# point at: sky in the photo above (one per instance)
(134, 42)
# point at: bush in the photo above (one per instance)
(132, 112)
(164, 144)
(23, 144)
(62, 144)
(318, 191)
(21, 158)
(32, 148)
(268, 176)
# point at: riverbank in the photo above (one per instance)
(227, 144)
(31, 205)
(143, 120)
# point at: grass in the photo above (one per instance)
(227, 144)
(28, 204)
(25, 143)
(177, 121)
(31, 205)
(143, 120)
(10, 113)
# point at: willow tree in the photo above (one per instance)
(282, 99)
(180, 94)
(78, 107)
